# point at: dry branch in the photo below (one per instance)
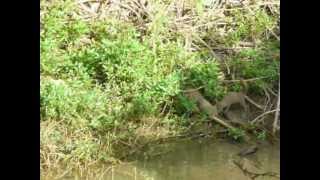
(221, 122)
(276, 117)
(253, 103)
(263, 114)
(244, 80)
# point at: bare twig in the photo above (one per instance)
(164, 108)
(229, 48)
(268, 105)
(213, 53)
(254, 103)
(87, 1)
(268, 97)
(206, 45)
(63, 174)
(245, 80)
(263, 114)
(274, 34)
(271, 91)
(192, 90)
(129, 8)
(276, 117)
(254, 5)
(104, 172)
(221, 122)
(86, 8)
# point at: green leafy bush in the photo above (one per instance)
(206, 75)
(250, 25)
(236, 134)
(259, 63)
(112, 79)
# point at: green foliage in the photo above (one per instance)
(259, 63)
(112, 79)
(261, 135)
(206, 75)
(249, 25)
(236, 134)
(59, 31)
(184, 106)
(73, 102)
(236, 87)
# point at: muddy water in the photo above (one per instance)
(192, 160)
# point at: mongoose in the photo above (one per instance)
(208, 108)
(230, 99)
(234, 98)
(202, 103)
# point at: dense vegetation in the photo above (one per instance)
(113, 78)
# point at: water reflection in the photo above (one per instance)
(193, 160)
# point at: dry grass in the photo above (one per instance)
(86, 163)
(180, 18)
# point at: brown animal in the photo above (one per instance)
(211, 110)
(202, 103)
(230, 99)
(235, 98)
(205, 106)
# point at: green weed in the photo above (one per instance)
(250, 25)
(259, 63)
(236, 134)
(206, 75)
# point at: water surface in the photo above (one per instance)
(192, 160)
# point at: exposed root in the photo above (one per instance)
(261, 115)
(253, 103)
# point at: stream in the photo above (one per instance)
(197, 159)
